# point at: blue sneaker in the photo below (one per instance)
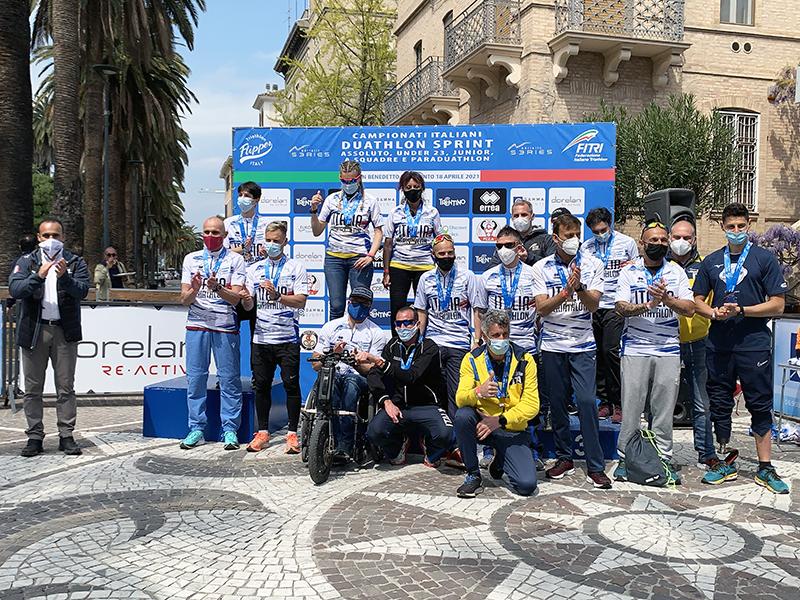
(230, 440)
(195, 438)
(673, 473)
(486, 459)
(621, 472)
(472, 486)
(721, 473)
(769, 479)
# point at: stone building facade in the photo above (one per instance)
(540, 61)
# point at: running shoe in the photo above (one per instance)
(402, 456)
(560, 469)
(488, 455)
(621, 472)
(195, 438)
(496, 468)
(616, 416)
(259, 442)
(230, 440)
(768, 478)
(721, 473)
(604, 411)
(292, 443)
(599, 480)
(673, 473)
(454, 459)
(472, 486)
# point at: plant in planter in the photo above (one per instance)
(784, 243)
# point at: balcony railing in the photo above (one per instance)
(484, 22)
(423, 82)
(645, 19)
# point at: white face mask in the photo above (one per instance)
(571, 246)
(507, 255)
(680, 247)
(52, 248)
(521, 224)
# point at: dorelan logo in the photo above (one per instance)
(580, 140)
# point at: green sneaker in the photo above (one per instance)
(721, 473)
(621, 473)
(195, 438)
(230, 440)
(769, 479)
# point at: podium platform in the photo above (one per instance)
(609, 432)
(166, 414)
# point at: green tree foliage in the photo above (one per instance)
(43, 195)
(672, 146)
(348, 71)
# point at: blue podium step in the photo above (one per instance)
(609, 432)
(166, 414)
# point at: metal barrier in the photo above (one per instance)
(10, 362)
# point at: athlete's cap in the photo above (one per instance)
(560, 211)
(361, 291)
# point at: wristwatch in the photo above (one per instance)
(741, 310)
(217, 288)
(580, 287)
(503, 421)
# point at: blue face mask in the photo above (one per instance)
(737, 239)
(274, 249)
(498, 347)
(350, 188)
(406, 333)
(245, 204)
(358, 312)
(602, 237)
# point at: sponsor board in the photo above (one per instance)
(311, 255)
(378, 291)
(490, 201)
(308, 339)
(586, 147)
(571, 198)
(314, 312)
(458, 228)
(301, 200)
(481, 257)
(316, 284)
(301, 231)
(452, 201)
(484, 229)
(536, 196)
(253, 150)
(380, 313)
(386, 197)
(275, 200)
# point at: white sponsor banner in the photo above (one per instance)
(573, 199)
(457, 227)
(536, 196)
(275, 200)
(125, 348)
(484, 229)
(429, 176)
(316, 284)
(311, 255)
(302, 230)
(378, 291)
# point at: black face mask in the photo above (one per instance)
(445, 264)
(656, 251)
(413, 196)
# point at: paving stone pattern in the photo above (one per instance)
(140, 518)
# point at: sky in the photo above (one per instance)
(236, 45)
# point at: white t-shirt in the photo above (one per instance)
(353, 239)
(276, 323)
(239, 228)
(50, 310)
(623, 249)
(569, 327)
(209, 311)
(522, 311)
(449, 326)
(654, 333)
(366, 336)
(408, 251)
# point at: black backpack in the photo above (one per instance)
(644, 463)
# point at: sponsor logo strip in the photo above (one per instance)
(549, 175)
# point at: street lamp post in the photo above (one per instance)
(106, 71)
(137, 238)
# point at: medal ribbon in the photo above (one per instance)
(207, 261)
(732, 278)
(508, 296)
(502, 391)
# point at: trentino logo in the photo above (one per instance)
(582, 138)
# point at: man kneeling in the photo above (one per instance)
(407, 384)
(497, 396)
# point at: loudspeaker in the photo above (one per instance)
(670, 205)
(682, 417)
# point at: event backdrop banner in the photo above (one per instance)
(473, 174)
(785, 333)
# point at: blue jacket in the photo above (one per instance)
(26, 286)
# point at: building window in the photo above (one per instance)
(418, 53)
(745, 133)
(739, 12)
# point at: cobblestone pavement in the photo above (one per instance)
(139, 518)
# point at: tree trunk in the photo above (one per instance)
(117, 216)
(16, 130)
(93, 144)
(67, 145)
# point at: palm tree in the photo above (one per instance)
(16, 132)
(67, 140)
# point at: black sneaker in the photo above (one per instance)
(560, 469)
(32, 448)
(496, 468)
(471, 487)
(572, 409)
(339, 458)
(68, 446)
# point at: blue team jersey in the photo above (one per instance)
(759, 278)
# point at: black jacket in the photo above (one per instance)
(421, 385)
(537, 242)
(26, 286)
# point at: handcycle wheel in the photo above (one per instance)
(320, 454)
(307, 424)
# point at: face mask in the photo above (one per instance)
(350, 188)
(52, 248)
(737, 239)
(445, 264)
(680, 247)
(274, 249)
(245, 204)
(507, 255)
(571, 246)
(212, 242)
(655, 251)
(358, 312)
(406, 333)
(498, 347)
(413, 196)
(602, 237)
(521, 224)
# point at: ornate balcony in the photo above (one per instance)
(422, 97)
(483, 47)
(619, 29)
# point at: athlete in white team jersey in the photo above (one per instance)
(278, 287)
(446, 297)
(245, 231)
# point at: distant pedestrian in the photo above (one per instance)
(108, 274)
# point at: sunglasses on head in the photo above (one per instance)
(442, 237)
(353, 180)
(655, 225)
(511, 245)
(405, 323)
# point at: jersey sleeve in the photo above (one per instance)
(378, 341)
(186, 272)
(538, 281)
(375, 216)
(327, 208)
(323, 340)
(388, 226)
(421, 300)
(597, 280)
(684, 292)
(624, 286)
(250, 281)
(437, 222)
(227, 241)
(774, 283)
(239, 271)
(301, 280)
(631, 249)
(702, 281)
(474, 291)
(481, 293)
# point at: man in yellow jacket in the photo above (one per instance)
(497, 396)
